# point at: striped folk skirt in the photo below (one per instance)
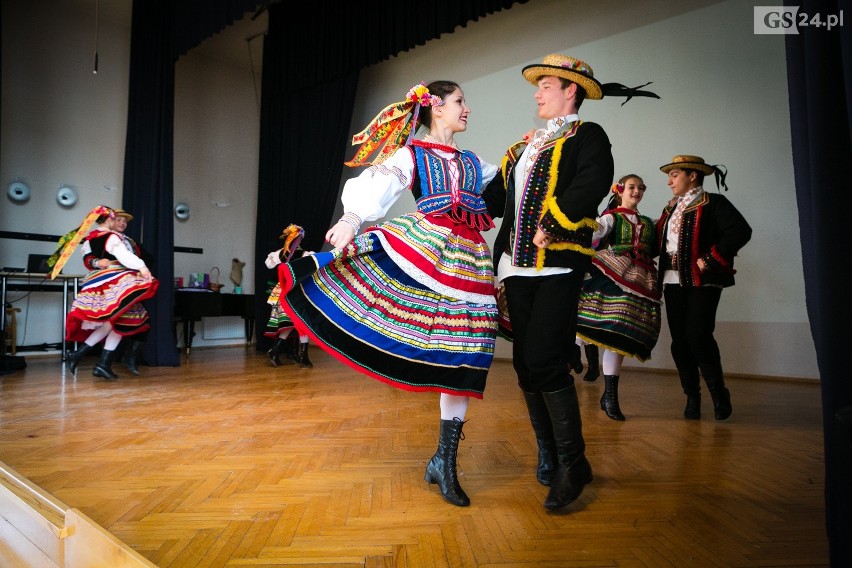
(410, 302)
(112, 295)
(279, 323)
(619, 307)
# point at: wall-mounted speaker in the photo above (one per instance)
(66, 196)
(182, 211)
(18, 192)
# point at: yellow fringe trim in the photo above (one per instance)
(504, 164)
(551, 206)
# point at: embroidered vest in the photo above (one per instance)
(436, 195)
(625, 239)
(97, 240)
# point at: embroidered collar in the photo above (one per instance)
(430, 141)
(690, 195)
(624, 211)
(554, 124)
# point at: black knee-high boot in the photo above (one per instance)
(104, 367)
(540, 419)
(575, 360)
(302, 355)
(609, 399)
(594, 368)
(132, 359)
(441, 469)
(274, 351)
(692, 410)
(722, 408)
(73, 359)
(574, 471)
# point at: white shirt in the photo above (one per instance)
(672, 237)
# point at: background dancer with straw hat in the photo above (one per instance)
(699, 233)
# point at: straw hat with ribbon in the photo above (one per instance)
(688, 162)
(580, 72)
(68, 243)
(393, 127)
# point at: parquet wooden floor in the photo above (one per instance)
(226, 461)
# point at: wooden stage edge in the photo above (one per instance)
(36, 529)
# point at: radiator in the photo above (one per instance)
(226, 327)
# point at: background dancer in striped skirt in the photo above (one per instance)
(280, 327)
(410, 301)
(619, 306)
(109, 304)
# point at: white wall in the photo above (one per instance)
(724, 97)
(63, 124)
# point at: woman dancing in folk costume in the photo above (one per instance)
(619, 308)
(280, 327)
(91, 261)
(410, 302)
(108, 305)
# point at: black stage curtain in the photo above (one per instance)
(161, 30)
(148, 164)
(309, 85)
(819, 76)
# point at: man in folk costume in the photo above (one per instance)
(699, 234)
(554, 181)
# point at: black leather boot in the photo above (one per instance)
(441, 469)
(291, 348)
(302, 356)
(609, 399)
(73, 359)
(104, 367)
(132, 357)
(722, 408)
(540, 419)
(693, 407)
(574, 471)
(593, 371)
(274, 351)
(575, 360)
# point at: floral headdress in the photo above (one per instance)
(68, 243)
(393, 127)
(292, 236)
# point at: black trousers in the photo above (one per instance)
(691, 314)
(543, 313)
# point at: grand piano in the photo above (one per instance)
(193, 304)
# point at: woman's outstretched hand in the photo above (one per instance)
(340, 235)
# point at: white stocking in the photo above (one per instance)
(453, 406)
(612, 362)
(112, 341)
(98, 334)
